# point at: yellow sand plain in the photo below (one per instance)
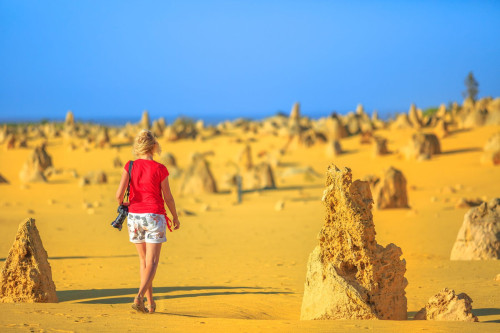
(242, 267)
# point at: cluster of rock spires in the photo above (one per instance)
(26, 275)
(299, 130)
(349, 275)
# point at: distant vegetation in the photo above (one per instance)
(429, 111)
(472, 87)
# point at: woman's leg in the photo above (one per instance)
(149, 290)
(141, 250)
(151, 264)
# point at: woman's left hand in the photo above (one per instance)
(176, 222)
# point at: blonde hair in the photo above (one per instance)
(145, 143)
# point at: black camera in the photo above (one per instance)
(122, 214)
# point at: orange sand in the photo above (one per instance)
(242, 267)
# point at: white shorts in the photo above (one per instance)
(147, 227)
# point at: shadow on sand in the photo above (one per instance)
(117, 296)
(486, 312)
(86, 257)
(463, 150)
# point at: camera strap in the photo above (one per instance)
(127, 191)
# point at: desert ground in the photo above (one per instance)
(241, 267)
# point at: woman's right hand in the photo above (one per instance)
(176, 222)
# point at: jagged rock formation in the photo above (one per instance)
(33, 169)
(333, 148)
(391, 191)
(479, 235)
(491, 155)
(422, 146)
(198, 177)
(26, 275)
(447, 306)
(349, 275)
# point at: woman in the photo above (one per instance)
(147, 219)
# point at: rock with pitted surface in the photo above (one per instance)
(391, 190)
(447, 306)
(33, 169)
(26, 275)
(479, 235)
(349, 275)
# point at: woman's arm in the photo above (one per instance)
(169, 200)
(121, 188)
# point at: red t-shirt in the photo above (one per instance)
(145, 186)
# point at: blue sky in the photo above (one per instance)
(214, 59)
